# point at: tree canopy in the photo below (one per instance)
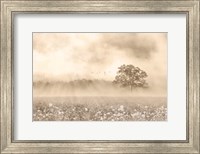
(130, 76)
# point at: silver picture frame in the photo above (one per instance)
(9, 8)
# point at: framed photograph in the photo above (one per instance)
(100, 76)
(98, 80)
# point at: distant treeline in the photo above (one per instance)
(82, 83)
(82, 87)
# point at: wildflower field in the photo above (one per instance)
(99, 109)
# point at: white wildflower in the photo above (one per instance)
(121, 108)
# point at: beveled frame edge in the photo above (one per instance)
(9, 8)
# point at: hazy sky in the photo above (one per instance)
(69, 56)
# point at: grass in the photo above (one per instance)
(100, 109)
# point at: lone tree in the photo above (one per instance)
(130, 76)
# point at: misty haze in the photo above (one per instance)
(99, 76)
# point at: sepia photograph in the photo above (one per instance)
(99, 76)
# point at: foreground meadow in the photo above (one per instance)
(100, 109)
